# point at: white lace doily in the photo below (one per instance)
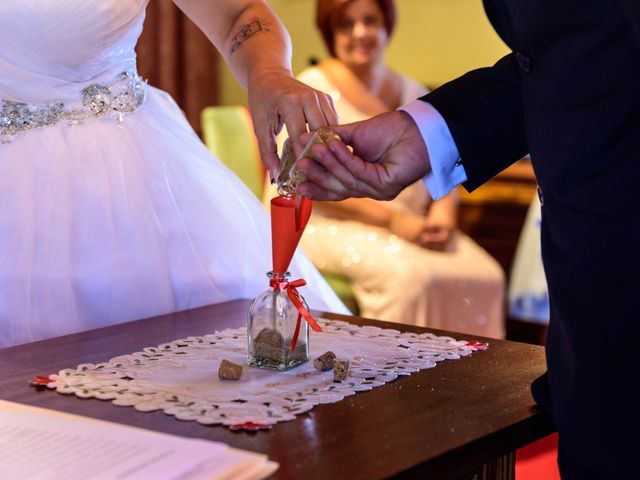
(181, 377)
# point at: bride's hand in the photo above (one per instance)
(257, 48)
(277, 99)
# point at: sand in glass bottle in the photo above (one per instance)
(277, 337)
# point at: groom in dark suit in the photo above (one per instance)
(568, 94)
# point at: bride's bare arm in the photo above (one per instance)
(256, 46)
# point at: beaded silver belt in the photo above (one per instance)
(121, 97)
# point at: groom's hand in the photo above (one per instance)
(388, 154)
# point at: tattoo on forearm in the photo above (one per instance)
(247, 31)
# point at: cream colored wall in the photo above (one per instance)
(435, 41)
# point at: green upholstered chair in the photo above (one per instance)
(343, 288)
(228, 132)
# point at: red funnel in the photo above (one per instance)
(287, 225)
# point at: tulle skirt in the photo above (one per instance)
(104, 223)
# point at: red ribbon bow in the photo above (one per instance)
(278, 283)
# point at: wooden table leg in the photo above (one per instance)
(502, 468)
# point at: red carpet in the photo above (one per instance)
(538, 460)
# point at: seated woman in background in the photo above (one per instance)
(407, 261)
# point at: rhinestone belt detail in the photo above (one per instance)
(124, 95)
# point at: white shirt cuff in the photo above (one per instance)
(446, 170)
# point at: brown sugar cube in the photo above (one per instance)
(340, 370)
(229, 370)
(325, 361)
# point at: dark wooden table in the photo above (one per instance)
(462, 419)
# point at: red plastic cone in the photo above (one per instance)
(287, 225)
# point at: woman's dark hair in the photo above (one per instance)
(328, 13)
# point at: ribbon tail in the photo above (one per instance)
(294, 297)
(294, 339)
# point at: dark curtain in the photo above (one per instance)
(175, 56)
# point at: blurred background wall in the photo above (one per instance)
(174, 55)
(435, 41)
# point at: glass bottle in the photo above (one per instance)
(271, 327)
(289, 177)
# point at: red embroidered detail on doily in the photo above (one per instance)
(40, 381)
(476, 345)
(250, 426)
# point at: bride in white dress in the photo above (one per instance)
(113, 209)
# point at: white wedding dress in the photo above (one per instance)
(105, 221)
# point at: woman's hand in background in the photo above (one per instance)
(433, 231)
(440, 223)
(421, 230)
(434, 236)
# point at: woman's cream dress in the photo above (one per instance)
(461, 289)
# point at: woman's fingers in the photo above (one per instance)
(267, 145)
(326, 105)
(282, 100)
(304, 110)
(313, 112)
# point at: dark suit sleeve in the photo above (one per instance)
(483, 110)
(631, 9)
